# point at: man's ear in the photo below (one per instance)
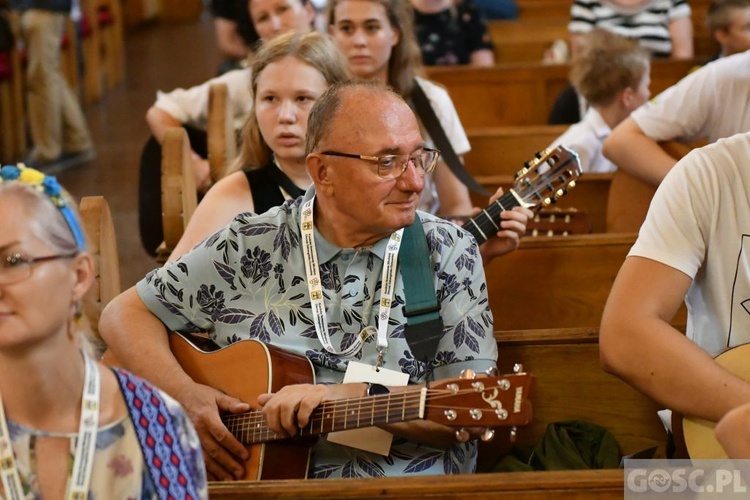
(319, 172)
(626, 98)
(721, 36)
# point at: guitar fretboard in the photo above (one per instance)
(250, 428)
(486, 224)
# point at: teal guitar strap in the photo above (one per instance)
(424, 326)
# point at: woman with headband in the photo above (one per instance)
(70, 427)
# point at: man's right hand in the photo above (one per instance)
(223, 453)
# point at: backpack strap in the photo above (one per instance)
(424, 326)
(430, 121)
(160, 443)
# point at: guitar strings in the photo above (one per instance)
(405, 403)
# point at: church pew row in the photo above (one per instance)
(557, 282)
(579, 485)
(526, 39)
(569, 385)
(523, 93)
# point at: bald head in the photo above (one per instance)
(353, 107)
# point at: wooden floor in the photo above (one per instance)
(160, 56)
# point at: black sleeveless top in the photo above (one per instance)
(264, 186)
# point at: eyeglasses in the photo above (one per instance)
(16, 268)
(393, 166)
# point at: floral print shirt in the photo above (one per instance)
(119, 469)
(448, 38)
(248, 281)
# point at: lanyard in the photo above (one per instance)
(83, 463)
(316, 291)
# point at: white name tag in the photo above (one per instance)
(372, 439)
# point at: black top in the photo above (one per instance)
(237, 11)
(264, 186)
(53, 5)
(449, 37)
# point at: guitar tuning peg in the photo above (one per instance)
(491, 371)
(468, 374)
(462, 435)
(571, 184)
(488, 434)
(518, 368)
(513, 434)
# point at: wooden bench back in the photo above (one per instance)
(589, 196)
(178, 192)
(96, 219)
(222, 145)
(503, 150)
(558, 282)
(523, 93)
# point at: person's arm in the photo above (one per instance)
(681, 33)
(636, 153)
(228, 39)
(482, 57)
(452, 193)
(138, 339)
(638, 344)
(227, 198)
(733, 432)
(159, 121)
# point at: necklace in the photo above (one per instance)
(83, 463)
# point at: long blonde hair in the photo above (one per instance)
(406, 59)
(312, 48)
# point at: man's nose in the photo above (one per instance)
(412, 178)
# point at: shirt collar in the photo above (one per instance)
(327, 250)
(601, 129)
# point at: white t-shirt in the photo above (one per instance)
(448, 118)
(190, 106)
(712, 102)
(586, 138)
(699, 224)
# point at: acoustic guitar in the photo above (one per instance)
(550, 175)
(248, 368)
(698, 434)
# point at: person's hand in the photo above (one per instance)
(202, 171)
(223, 454)
(512, 227)
(290, 409)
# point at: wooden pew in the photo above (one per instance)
(503, 150)
(604, 484)
(589, 196)
(222, 143)
(557, 282)
(178, 192)
(523, 93)
(102, 245)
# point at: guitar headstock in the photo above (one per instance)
(547, 177)
(481, 402)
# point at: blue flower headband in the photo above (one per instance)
(48, 185)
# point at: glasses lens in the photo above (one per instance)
(13, 270)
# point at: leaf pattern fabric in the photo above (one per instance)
(248, 282)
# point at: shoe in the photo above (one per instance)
(67, 160)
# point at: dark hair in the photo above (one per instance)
(717, 17)
(406, 59)
(608, 64)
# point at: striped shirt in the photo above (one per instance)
(648, 23)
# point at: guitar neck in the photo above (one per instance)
(486, 224)
(340, 415)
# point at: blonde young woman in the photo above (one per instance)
(70, 427)
(288, 75)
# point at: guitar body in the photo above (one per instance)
(244, 370)
(698, 433)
